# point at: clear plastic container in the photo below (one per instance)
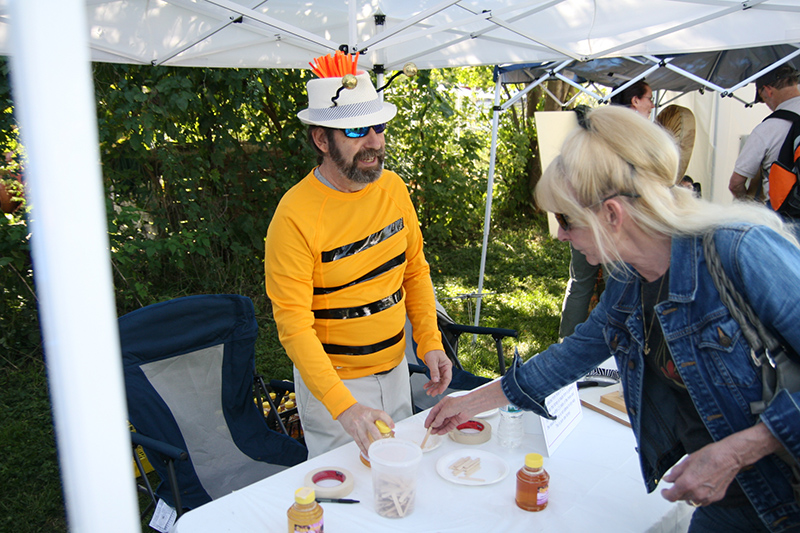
(306, 514)
(533, 484)
(510, 429)
(394, 476)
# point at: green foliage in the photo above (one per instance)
(514, 167)
(438, 143)
(19, 331)
(195, 161)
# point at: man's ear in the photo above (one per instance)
(320, 139)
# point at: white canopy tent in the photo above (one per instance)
(51, 44)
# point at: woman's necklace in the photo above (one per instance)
(648, 331)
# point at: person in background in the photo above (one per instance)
(778, 89)
(344, 267)
(689, 183)
(638, 96)
(687, 373)
(582, 275)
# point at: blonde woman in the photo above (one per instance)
(687, 373)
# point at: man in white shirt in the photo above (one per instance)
(778, 89)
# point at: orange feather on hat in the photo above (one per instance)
(334, 67)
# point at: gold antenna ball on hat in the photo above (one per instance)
(349, 81)
(410, 70)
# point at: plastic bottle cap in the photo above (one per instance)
(304, 495)
(534, 460)
(512, 409)
(383, 427)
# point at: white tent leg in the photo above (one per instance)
(56, 112)
(489, 191)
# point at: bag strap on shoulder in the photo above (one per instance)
(766, 350)
(783, 114)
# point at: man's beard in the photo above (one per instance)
(351, 170)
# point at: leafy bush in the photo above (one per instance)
(438, 143)
(195, 161)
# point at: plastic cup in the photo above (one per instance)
(394, 476)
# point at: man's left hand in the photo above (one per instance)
(441, 372)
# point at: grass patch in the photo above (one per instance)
(525, 275)
(31, 499)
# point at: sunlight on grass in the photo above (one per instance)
(526, 274)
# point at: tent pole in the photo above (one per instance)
(54, 98)
(489, 191)
(352, 34)
(714, 145)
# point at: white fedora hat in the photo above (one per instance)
(355, 108)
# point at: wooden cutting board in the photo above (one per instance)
(615, 400)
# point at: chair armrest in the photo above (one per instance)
(480, 330)
(498, 334)
(281, 385)
(163, 448)
(417, 369)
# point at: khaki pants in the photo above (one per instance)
(389, 392)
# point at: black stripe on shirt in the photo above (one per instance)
(386, 267)
(340, 349)
(359, 246)
(365, 310)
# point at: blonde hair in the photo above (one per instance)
(617, 152)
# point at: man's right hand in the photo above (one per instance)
(359, 422)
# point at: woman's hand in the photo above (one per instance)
(704, 476)
(452, 411)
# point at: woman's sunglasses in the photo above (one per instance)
(357, 133)
(563, 220)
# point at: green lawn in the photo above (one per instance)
(526, 272)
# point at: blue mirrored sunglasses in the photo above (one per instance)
(357, 133)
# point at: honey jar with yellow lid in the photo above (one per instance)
(386, 433)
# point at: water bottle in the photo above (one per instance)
(510, 430)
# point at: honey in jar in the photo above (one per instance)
(533, 484)
(306, 514)
(386, 433)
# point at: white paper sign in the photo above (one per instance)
(565, 405)
(163, 517)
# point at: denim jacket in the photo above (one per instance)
(709, 351)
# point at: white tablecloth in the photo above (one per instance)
(595, 485)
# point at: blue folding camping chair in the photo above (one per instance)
(189, 368)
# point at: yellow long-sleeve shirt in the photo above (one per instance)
(342, 271)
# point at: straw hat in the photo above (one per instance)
(679, 121)
(355, 108)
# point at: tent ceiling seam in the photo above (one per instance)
(740, 6)
(274, 23)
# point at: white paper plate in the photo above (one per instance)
(417, 435)
(485, 414)
(493, 468)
